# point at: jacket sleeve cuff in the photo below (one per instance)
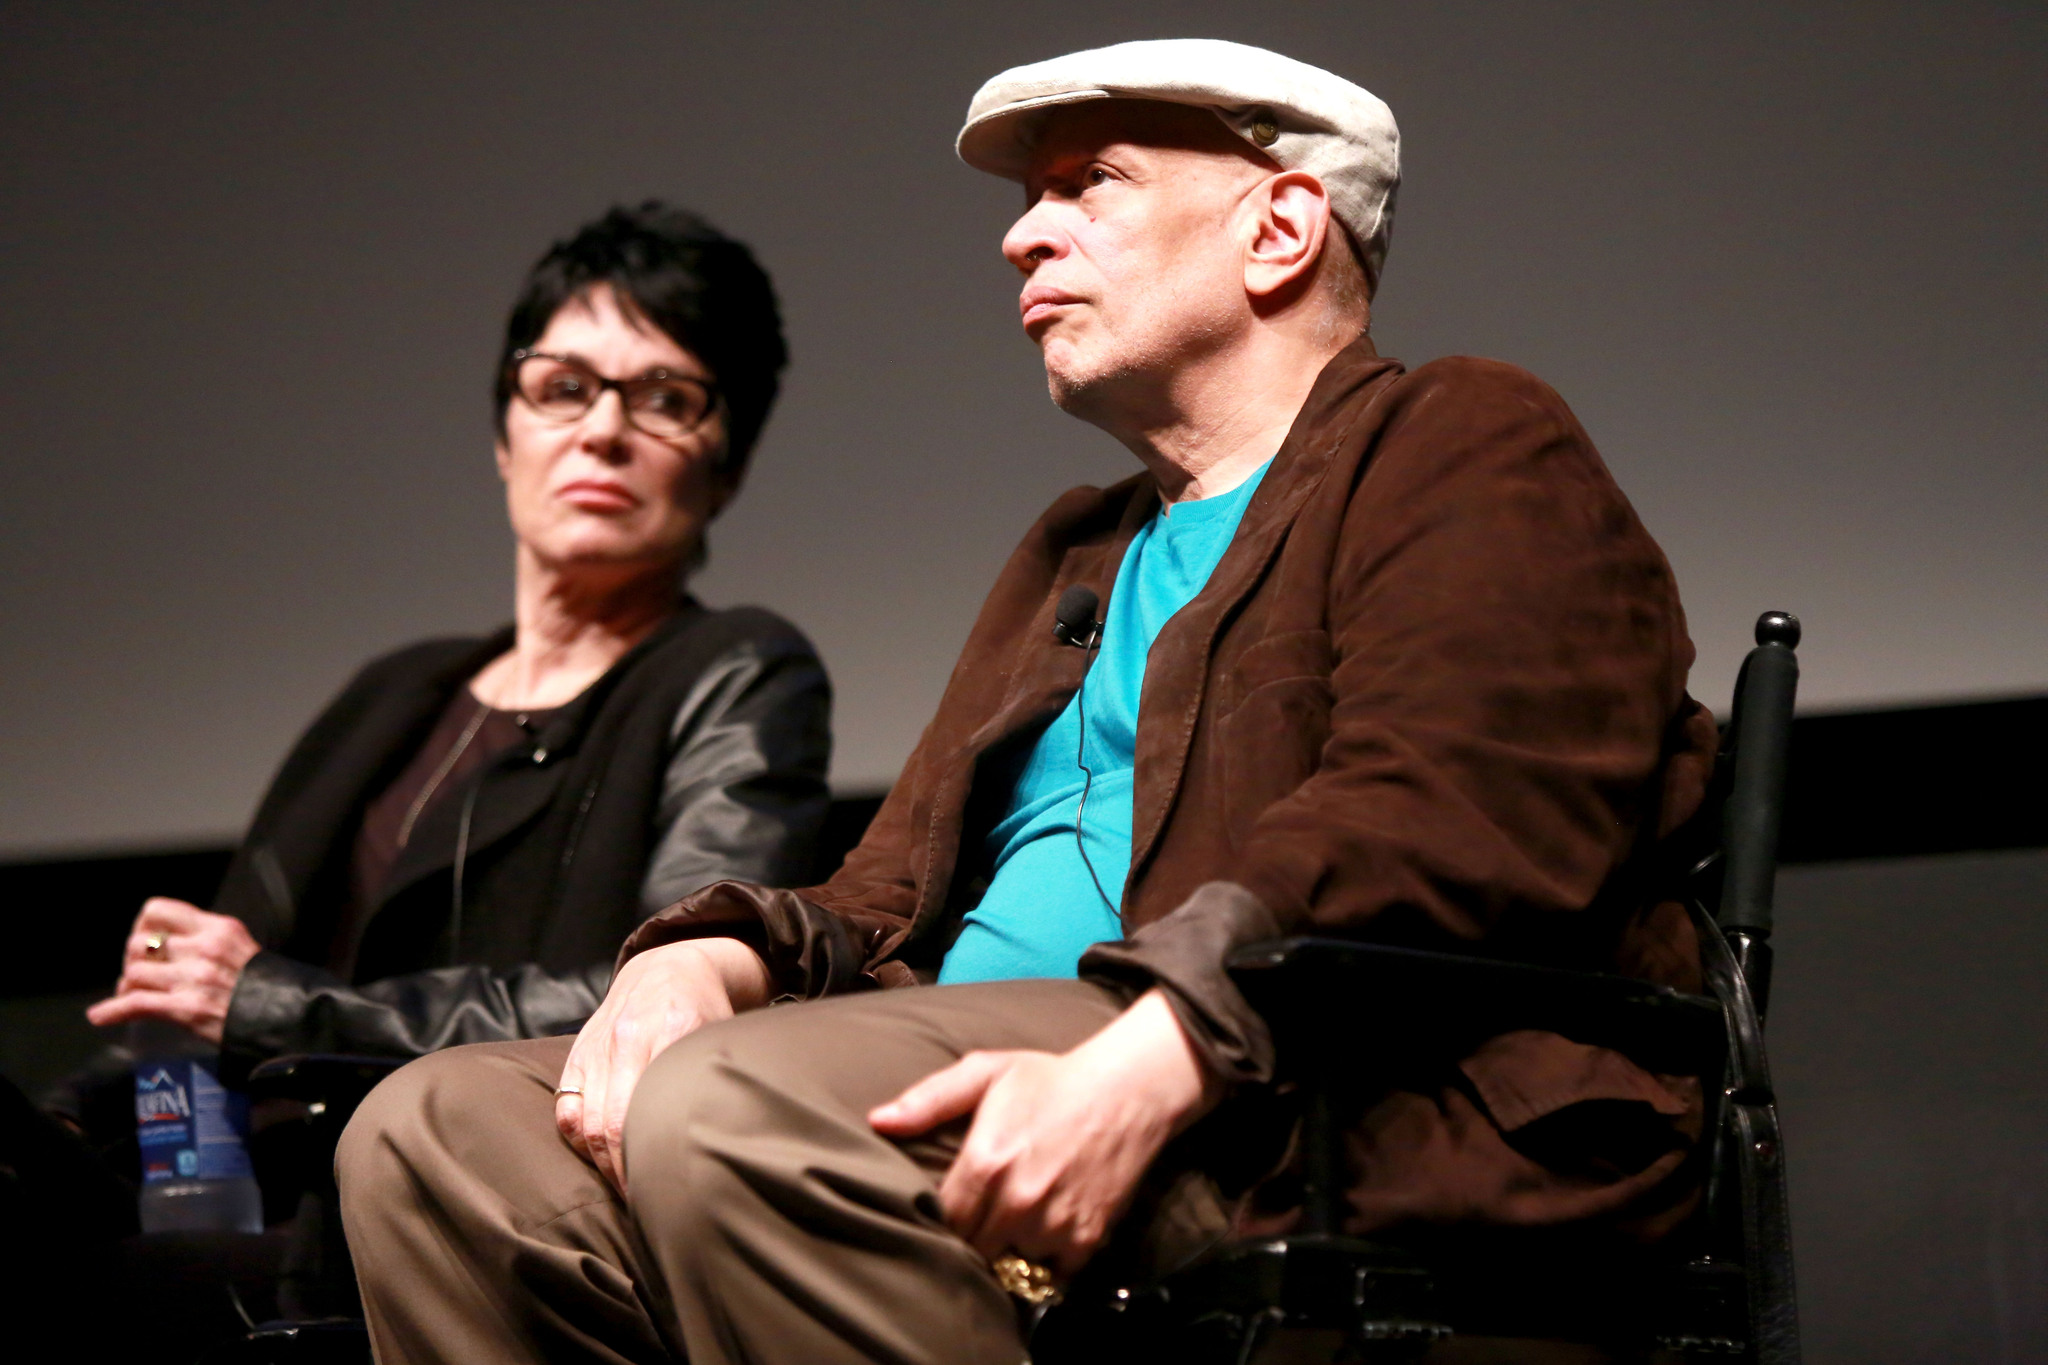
(1182, 955)
(268, 1011)
(810, 951)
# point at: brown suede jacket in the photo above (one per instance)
(1433, 694)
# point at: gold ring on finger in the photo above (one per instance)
(1026, 1280)
(153, 945)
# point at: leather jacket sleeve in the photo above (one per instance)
(283, 1006)
(744, 795)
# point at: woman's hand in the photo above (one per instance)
(657, 997)
(1059, 1141)
(181, 965)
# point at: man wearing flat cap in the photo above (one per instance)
(1358, 651)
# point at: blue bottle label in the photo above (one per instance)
(189, 1125)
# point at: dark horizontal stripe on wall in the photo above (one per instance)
(1871, 784)
(1914, 782)
(66, 920)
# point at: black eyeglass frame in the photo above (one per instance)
(714, 396)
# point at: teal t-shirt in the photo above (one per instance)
(1043, 909)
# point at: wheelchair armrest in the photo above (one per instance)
(338, 1081)
(1335, 1003)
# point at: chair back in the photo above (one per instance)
(1758, 748)
(1747, 1208)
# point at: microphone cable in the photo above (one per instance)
(1087, 776)
(1075, 623)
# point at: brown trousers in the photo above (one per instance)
(765, 1220)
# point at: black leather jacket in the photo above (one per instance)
(700, 755)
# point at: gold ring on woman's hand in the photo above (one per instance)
(152, 945)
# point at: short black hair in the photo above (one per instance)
(702, 288)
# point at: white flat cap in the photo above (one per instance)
(1301, 116)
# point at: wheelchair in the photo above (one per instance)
(1725, 1293)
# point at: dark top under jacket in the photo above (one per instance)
(1434, 694)
(463, 741)
(700, 755)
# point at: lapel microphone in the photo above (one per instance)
(1074, 622)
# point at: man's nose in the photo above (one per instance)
(1033, 238)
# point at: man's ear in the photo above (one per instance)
(1292, 221)
(503, 455)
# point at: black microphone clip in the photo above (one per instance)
(1074, 622)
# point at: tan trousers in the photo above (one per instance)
(766, 1221)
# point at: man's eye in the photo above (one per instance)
(1096, 176)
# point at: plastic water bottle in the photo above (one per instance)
(196, 1175)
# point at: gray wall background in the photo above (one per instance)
(1785, 261)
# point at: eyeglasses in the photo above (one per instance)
(666, 406)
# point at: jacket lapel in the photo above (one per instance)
(292, 848)
(1047, 673)
(1178, 667)
(1041, 676)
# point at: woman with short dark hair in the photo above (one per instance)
(456, 848)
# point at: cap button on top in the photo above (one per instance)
(1265, 128)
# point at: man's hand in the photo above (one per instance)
(1059, 1142)
(657, 997)
(181, 965)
